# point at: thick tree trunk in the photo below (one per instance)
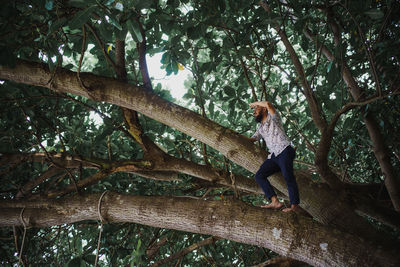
(290, 235)
(323, 204)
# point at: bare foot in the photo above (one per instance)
(293, 208)
(273, 205)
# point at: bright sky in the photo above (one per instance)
(173, 83)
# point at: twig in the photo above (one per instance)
(352, 105)
(83, 50)
(108, 58)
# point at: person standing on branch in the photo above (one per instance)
(280, 158)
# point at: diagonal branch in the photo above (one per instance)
(26, 189)
(185, 251)
(100, 43)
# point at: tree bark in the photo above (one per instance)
(289, 235)
(280, 262)
(324, 205)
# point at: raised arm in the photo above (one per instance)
(266, 104)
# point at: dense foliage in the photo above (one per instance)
(236, 56)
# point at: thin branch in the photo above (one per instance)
(26, 189)
(195, 72)
(185, 251)
(352, 105)
(106, 55)
(83, 50)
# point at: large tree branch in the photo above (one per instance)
(280, 262)
(318, 200)
(287, 234)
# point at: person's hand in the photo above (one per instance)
(259, 103)
(254, 104)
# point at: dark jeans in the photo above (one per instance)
(283, 162)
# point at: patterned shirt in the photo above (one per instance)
(273, 134)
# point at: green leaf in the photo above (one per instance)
(229, 90)
(114, 22)
(168, 69)
(175, 66)
(134, 29)
(211, 108)
(227, 43)
(329, 66)
(108, 184)
(82, 17)
(119, 6)
(310, 70)
(332, 75)
(106, 32)
(81, 3)
(375, 14)
(348, 123)
(57, 25)
(166, 57)
(49, 4)
(221, 5)
(304, 43)
(51, 64)
(109, 2)
(7, 56)
(75, 262)
(90, 259)
(140, 4)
